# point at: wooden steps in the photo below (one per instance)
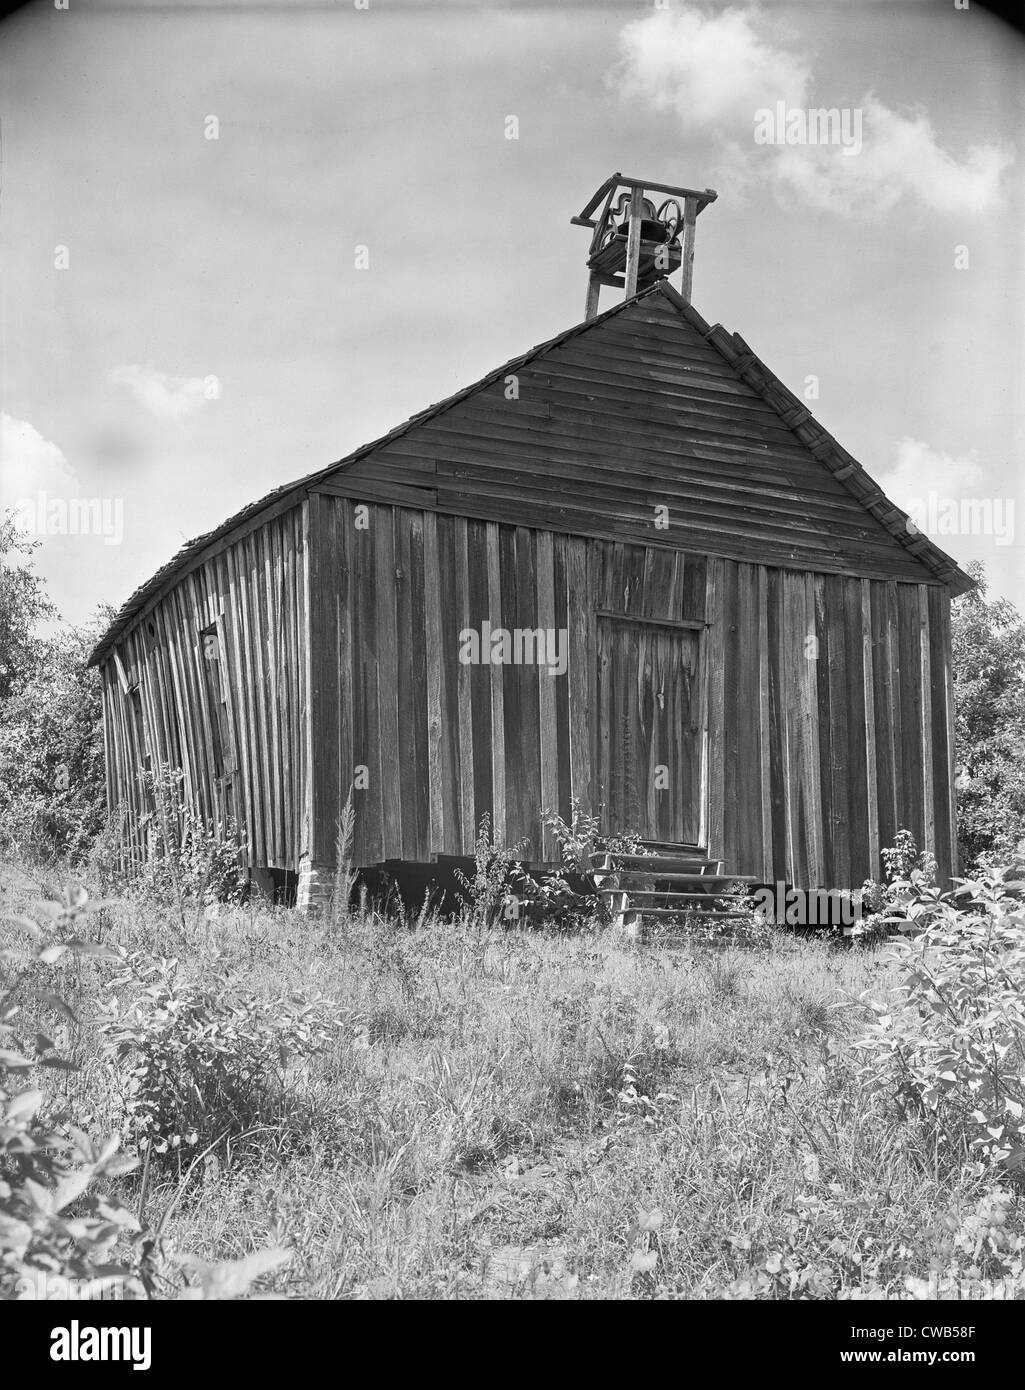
(660, 895)
(671, 884)
(664, 863)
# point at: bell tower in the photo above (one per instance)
(636, 242)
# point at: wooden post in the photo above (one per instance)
(633, 241)
(689, 218)
(593, 290)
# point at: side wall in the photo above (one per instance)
(831, 723)
(445, 743)
(211, 678)
(827, 709)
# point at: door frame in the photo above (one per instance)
(701, 627)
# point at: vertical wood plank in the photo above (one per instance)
(764, 735)
(925, 738)
(715, 662)
(942, 752)
(256, 639)
(480, 675)
(270, 596)
(248, 738)
(736, 817)
(839, 742)
(460, 597)
(547, 681)
(782, 844)
(308, 628)
(793, 668)
(528, 779)
(901, 816)
(460, 833)
(498, 744)
(871, 759)
(436, 751)
(282, 554)
(816, 842)
(911, 709)
(420, 793)
(581, 656)
(824, 766)
(366, 644)
(945, 645)
(406, 646)
(387, 684)
(562, 685)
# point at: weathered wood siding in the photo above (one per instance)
(231, 712)
(637, 413)
(824, 700)
(443, 742)
(628, 470)
(831, 723)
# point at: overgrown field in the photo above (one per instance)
(435, 1110)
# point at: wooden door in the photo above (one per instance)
(649, 730)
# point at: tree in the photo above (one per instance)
(23, 606)
(52, 784)
(988, 641)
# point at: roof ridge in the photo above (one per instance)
(192, 550)
(844, 467)
(731, 347)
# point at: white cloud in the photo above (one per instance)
(165, 396)
(715, 71)
(707, 68)
(949, 495)
(899, 157)
(29, 463)
(920, 470)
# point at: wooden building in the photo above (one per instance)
(628, 567)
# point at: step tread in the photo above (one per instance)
(625, 875)
(669, 897)
(698, 880)
(684, 912)
(669, 863)
(668, 847)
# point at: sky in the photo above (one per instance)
(188, 318)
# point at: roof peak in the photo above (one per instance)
(739, 356)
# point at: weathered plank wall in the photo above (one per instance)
(825, 700)
(231, 711)
(444, 742)
(638, 412)
(831, 723)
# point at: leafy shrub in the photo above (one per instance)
(988, 650)
(582, 837)
(195, 1061)
(189, 858)
(977, 1254)
(52, 786)
(881, 903)
(485, 895)
(551, 898)
(56, 1219)
(948, 1048)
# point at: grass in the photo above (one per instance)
(516, 1114)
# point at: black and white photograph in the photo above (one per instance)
(512, 666)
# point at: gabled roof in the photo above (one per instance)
(742, 362)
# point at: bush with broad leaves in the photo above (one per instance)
(948, 1044)
(193, 1061)
(56, 1216)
